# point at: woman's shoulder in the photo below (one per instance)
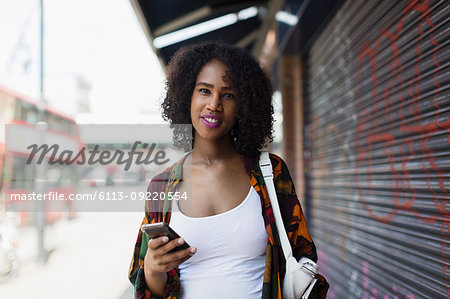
(170, 173)
(275, 157)
(277, 161)
(157, 185)
(278, 164)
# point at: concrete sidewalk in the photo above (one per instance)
(90, 259)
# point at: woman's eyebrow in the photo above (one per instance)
(206, 84)
(212, 86)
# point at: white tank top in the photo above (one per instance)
(231, 251)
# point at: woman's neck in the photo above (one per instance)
(209, 152)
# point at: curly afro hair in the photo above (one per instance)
(254, 117)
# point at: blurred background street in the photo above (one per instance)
(89, 258)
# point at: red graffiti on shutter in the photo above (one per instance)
(399, 100)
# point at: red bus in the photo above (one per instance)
(17, 177)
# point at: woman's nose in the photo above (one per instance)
(214, 102)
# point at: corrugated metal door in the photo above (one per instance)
(378, 84)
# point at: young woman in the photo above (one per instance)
(227, 217)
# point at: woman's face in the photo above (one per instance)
(213, 102)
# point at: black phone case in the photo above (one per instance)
(165, 230)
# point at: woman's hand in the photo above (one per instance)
(158, 261)
(157, 258)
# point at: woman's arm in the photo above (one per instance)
(136, 274)
(148, 285)
(156, 281)
(158, 261)
(291, 211)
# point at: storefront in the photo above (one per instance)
(377, 109)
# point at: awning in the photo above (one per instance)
(171, 24)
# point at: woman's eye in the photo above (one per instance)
(204, 90)
(229, 96)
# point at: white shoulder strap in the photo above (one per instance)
(267, 172)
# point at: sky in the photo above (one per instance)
(100, 41)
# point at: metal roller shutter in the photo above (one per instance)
(378, 109)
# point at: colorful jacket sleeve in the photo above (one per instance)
(136, 272)
(291, 211)
(293, 220)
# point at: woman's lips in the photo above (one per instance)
(210, 120)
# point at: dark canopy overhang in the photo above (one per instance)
(171, 24)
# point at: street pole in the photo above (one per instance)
(41, 81)
(41, 126)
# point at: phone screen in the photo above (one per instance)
(155, 230)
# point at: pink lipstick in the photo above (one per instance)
(211, 120)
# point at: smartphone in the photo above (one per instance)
(155, 230)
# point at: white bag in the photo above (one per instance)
(299, 278)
